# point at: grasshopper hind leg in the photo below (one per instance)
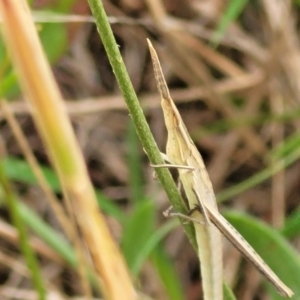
(168, 213)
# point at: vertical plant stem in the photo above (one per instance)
(55, 128)
(30, 257)
(136, 112)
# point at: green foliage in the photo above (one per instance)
(233, 10)
(141, 238)
(137, 230)
(272, 247)
(63, 6)
(277, 165)
(54, 239)
(227, 293)
(291, 227)
(19, 170)
(8, 86)
(55, 42)
(286, 148)
(165, 270)
(29, 255)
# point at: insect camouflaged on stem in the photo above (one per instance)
(181, 152)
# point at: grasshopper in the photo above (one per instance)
(182, 153)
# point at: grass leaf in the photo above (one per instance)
(272, 247)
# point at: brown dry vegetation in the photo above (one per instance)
(229, 97)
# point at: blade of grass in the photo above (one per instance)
(154, 239)
(259, 177)
(166, 271)
(227, 293)
(233, 10)
(55, 205)
(24, 146)
(272, 247)
(259, 119)
(30, 257)
(51, 237)
(55, 240)
(291, 227)
(142, 217)
(19, 170)
(54, 126)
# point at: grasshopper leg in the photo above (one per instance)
(170, 214)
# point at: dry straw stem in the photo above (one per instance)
(29, 155)
(53, 201)
(54, 126)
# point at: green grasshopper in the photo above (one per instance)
(182, 153)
